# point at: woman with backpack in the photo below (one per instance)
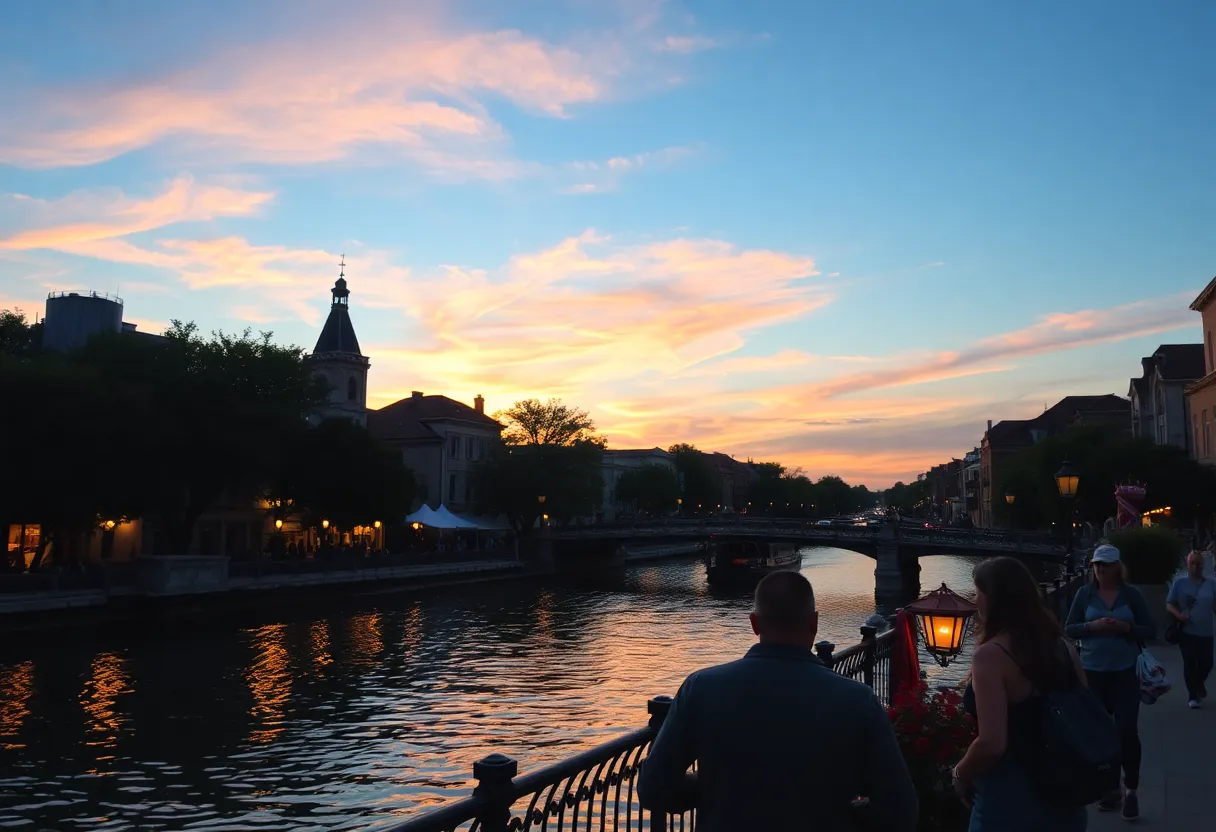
(1190, 602)
(1020, 656)
(1111, 619)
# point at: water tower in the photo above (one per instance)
(72, 318)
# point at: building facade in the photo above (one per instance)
(615, 463)
(441, 440)
(1201, 395)
(1160, 412)
(1006, 440)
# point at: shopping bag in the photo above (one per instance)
(1153, 682)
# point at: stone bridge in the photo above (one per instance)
(896, 549)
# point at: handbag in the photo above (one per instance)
(1153, 682)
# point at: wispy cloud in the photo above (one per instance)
(86, 216)
(1052, 333)
(395, 82)
(685, 44)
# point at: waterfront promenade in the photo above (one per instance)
(1176, 772)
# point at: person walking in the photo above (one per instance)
(780, 740)
(1190, 601)
(1110, 618)
(1020, 654)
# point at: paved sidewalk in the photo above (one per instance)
(1179, 756)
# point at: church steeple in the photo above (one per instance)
(340, 292)
(338, 335)
(338, 360)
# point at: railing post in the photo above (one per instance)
(493, 775)
(867, 663)
(657, 707)
(824, 650)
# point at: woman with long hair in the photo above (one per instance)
(1020, 653)
(1110, 618)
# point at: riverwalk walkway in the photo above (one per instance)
(1177, 771)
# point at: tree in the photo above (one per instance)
(206, 418)
(654, 489)
(1105, 459)
(835, 497)
(532, 422)
(906, 499)
(513, 478)
(339, 472)
(65, 439)
(699, 482)
(17, 336)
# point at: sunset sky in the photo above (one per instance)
(837, 235)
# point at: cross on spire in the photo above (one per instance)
(342, 266)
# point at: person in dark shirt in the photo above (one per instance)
(780, 741)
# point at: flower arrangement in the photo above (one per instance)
(933, 731)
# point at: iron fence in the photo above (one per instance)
(596, 790)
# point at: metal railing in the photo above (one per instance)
(596, 790)
(592, 790)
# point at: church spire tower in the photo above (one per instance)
(337, 358)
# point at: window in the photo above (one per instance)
(424, 491)
(451, 488)
(1196, 447)
(1211, 364)
(468, 447)
(468, 489)
(454, 447)
(1207, 434)
(352, 389)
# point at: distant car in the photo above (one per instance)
(824, 523)
(930, 526)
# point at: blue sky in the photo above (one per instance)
(838, 235)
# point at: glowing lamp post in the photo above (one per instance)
(543, 517)
(278, 524)
(1009, 498)
(944, 615)
(1067, 480)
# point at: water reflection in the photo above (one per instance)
(107, 681)
(16, 687)
(336, 718)
(269, 680)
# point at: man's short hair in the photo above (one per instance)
(785, 601)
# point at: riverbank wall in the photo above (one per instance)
(167, 586)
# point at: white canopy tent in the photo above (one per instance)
(444, 519)
(424, 515)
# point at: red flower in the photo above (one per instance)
(923, 745)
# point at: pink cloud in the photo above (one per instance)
(83, 217)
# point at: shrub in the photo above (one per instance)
(1152, 554)
(933, 732)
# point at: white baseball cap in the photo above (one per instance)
(1105, 554)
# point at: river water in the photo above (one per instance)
(363, 712)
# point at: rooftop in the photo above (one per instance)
(407, 419)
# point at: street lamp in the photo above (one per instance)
(325, 524)
(1067, 480)
(543, 517)
(1009, 498)
(278, 524)
(943, 615)
(376, 524)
